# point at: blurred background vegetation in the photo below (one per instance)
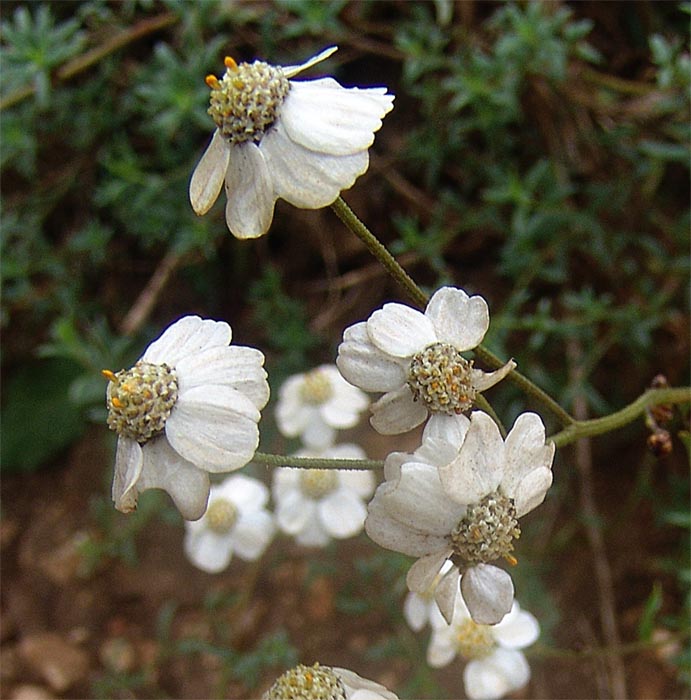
(538, 154)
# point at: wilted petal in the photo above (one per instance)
(207, 178)
(129, 462)
(422, 574)
(290, 71)
(447, 592)
(488, 592)
(531, 491)
(250, 192)
(484, 380)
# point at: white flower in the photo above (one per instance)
(236, 522)
(188, 407)
(459, 497)
(495, 665)
(302, 141)
(415, 359)
(318, 682)
(315, 505)
(315, 404)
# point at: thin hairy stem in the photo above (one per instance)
(315, 462)
(597, 426)
(349, 218)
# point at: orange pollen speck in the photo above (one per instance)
(238, 84)
(512, 561)
(230, 63)
(212, 82)
(110, 376)
(117, 403)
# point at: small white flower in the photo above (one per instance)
(315, 404)
(495, 665)
(415, 359)
(188, 407)
(236, 522)
(459, 497)
(302, 141)
(315, 505)
(319, 682)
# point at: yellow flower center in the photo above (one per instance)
(473, 641)
(307, 683)
(441, 378)
(221, 516)
(140, 400)
(246, 100)
(317, 483)
(486, 532)
(316, 388)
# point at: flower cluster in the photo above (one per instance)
(189, 408)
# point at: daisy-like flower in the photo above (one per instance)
(235, 522)
(459, 498)
(315, 505)
(415, 359)
(315, 404)
(495, 663)
(188, 407)
(319, 682)
(302, 141)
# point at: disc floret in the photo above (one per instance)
(141, 399)
(307, 683)
(442, 379)
(245, 102)
(486, 532)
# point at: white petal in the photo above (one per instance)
(517, 630)
(418, 501)
(313, 534)
(246, 493)
(488, 592)
(447, 593)
(325, 117)
(318, 435)
(416, 610)
(358, 688)
(458, 319)
(250, 191)
(129, 462)
(294, 511)
(234, 366)
(165, 469)
(400, 331)
(525, 451)
(531, 491)
(484, 380)
(305, 178)
(492, 677)
(290, 71)
(440, 652)
(397, 412)
(284, 480)
(393, 535)
(365, 365)
(207, 178)
(423, 573)
(479, 467)
(214, 427)
(342, 514)
(188, 336)
(252, 535)
(209, 551)
(359, 481)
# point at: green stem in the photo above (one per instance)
(315, 462)
(614, 421)
(349, 218)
